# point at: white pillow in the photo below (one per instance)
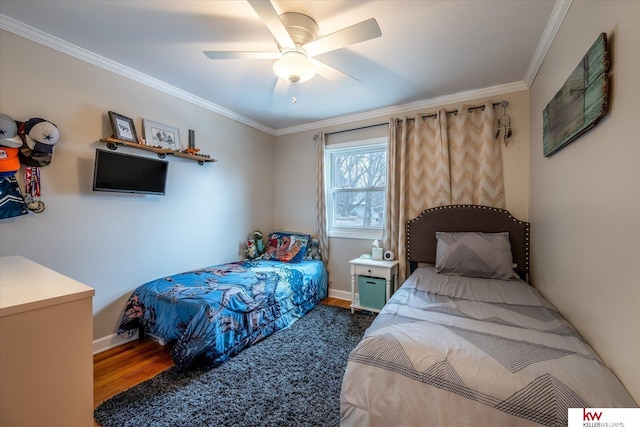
(475, 254)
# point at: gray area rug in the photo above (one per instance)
(291, 378)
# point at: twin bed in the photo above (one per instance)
(211, 314)
(464, 342)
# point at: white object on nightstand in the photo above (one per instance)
(387, 270)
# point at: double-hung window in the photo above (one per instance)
(356, 185)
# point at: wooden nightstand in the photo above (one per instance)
(376, 283)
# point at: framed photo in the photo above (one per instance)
(123, 127)
(159, 135)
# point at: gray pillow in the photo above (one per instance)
(474, 254)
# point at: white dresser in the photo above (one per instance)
(46, 351)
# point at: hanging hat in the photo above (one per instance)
(40, 136)
(9, 132)
(9, 163)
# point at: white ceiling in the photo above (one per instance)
(429, 50)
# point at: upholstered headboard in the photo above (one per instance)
(421, 231)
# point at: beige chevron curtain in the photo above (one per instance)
(441, 160)
(321, 206)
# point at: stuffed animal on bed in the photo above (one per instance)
(260, 248)
(313, 250)
(251, 251)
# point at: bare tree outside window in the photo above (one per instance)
(358, 185)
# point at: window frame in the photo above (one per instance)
(372, 144)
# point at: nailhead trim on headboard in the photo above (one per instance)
(480, 207)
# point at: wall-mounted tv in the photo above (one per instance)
(126, 173)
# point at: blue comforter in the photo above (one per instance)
(213, 313)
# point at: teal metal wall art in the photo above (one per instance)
(581, 102)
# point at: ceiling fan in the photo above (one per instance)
(297, 40)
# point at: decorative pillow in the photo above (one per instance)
(286, 247)
(474, 254)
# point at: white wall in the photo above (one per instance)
(585, 199)
(115, 242)
(296, 168)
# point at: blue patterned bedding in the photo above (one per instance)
(213, 313)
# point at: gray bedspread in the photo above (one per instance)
(458, 351)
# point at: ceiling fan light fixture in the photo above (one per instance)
(294, 67)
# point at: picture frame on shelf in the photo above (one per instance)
(123, 127)
(160, 135)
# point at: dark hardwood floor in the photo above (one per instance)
(122, 367)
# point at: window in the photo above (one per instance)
(356, 185)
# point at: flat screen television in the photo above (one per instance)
(126, 173)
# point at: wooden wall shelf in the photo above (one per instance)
(112, 144)
(193, 157)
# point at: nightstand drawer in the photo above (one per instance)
(368, 270)
(372, 292)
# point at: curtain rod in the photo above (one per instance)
(426, 116)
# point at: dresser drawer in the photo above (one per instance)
(372, 292)
(371, 271)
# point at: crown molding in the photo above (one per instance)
(404, 108)
(560, 9)
(38, 36)
(558, 13)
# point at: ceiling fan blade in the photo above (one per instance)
(331, 73)
(356, 33)
(281, 88)
(211, 54)
(271, 19)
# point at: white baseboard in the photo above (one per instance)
(336, 293)
(110, 341)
